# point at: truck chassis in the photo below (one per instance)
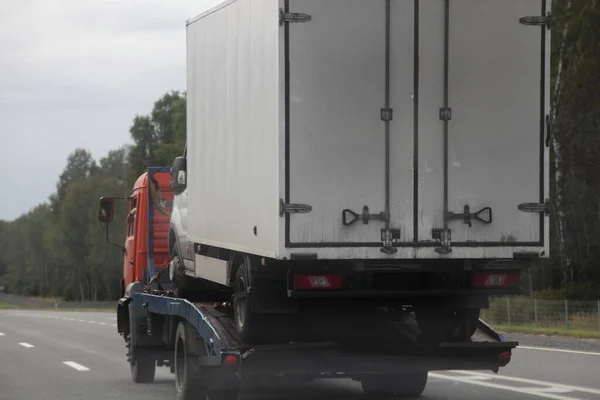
(198, 342)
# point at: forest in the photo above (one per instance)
(58, 249)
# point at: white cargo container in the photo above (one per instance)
(400, 115)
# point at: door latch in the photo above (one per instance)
(349, 217)
(467, 216)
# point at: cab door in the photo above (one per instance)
(130, 247)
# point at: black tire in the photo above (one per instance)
(245, 322)
(188, 380)
(438, 326)
(143, 367)
(223, 394)
(390, 386)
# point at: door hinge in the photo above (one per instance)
(293, 208)
(293, 17)
(387, 114)
(443, 236)
(445, 113)
(537, 21)
(548, 130)
(536, 207)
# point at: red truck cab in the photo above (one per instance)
(144, 235)
(146, 228)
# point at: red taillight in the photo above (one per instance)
(504, 358)
(311, 282)
(230, 361)
(495, 279)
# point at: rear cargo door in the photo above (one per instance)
(349, 117)
(484, 71)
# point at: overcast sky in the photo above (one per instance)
(74, 73)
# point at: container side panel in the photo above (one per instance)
(402, 132)
(495, 152)
(233, 122)
(336, 135)
(430, 99)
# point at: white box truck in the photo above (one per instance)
(365, 154)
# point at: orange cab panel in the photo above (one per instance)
(138, 229)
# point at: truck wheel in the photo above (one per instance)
(243, 319)
(438, 326)
(405, 385)
(188, 381)
(143, 368)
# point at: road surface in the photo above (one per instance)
(52, 355)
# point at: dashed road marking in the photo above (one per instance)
(2, 334)
(550, 385)
(531, 391)
(91, 322)
(27, 345)
(76, 366)
(102, 323)
(114, 324)
(587, 353)
(80, 320)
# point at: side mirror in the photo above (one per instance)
(179, 175)
(106, 211)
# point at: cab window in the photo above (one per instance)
(131, 216)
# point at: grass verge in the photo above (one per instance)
(7, 306)
(532, 330)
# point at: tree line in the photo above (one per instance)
(58, 248)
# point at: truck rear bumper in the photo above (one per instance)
(331, 361)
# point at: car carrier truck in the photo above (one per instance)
(359, 178)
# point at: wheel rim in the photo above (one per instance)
(240, 303)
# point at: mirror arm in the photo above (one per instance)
(108, 240)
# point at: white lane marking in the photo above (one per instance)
(76, 366)
(26, 344)
(114, 324)
(530, 391)
(587, 353)
(113, 318)
(102, 323)
(80, 320)
(532, 382)
(554, 390)
(2, 334)
(91, 322)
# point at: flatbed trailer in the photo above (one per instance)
(198, 342)
(196, 337)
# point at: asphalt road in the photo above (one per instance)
(49, 355)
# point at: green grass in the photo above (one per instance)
(532, 330)
(6, 306)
